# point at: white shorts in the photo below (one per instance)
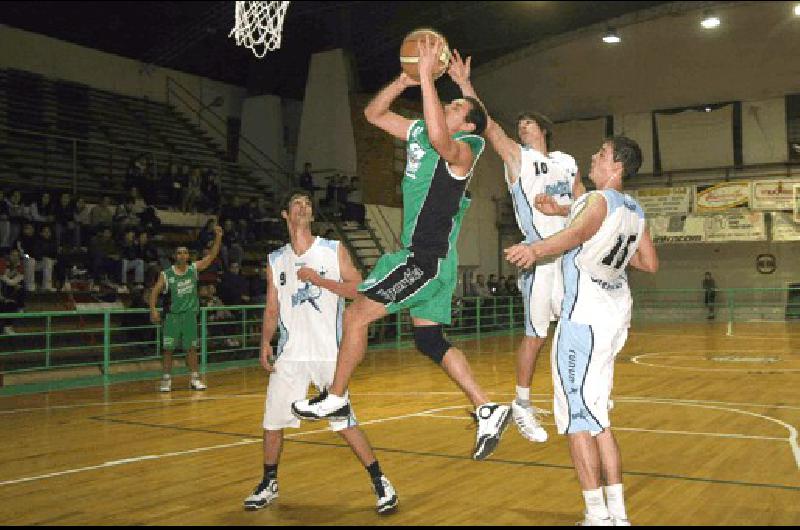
(583, 375)
(542, 292)
(289, 383)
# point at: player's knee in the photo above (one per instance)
(430, 341)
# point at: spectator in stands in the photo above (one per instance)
(137, 169)
(206, 234)
(342, 190)
(261, 216)
(12, 292)
(102, 215)
(17, 214)
(492, 284)
(480, 289)
(211, 192)
(104, 255)
(149, 254)
(258, 286)
(234, 288)
(131, 258)
(135, 198)
(41, 211)
(710, 289)
(150, 221)
(307, 179)
(5, 224)
(232, 250)
(83, 220)
(354, 209)
(245, 221)
(329, 202)
(125, 217)
(192, 193)
(64, 214)
(38, 254)
(511, 285)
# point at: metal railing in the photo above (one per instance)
(104, 341)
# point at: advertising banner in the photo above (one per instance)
(773, 195)
(665, 201)
(721, 197)
(736, 227)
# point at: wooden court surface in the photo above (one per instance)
(707, 425)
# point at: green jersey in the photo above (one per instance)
(183, 289)
(434, 200)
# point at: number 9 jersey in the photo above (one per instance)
(595, 283)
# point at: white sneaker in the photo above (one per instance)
(8, 330)
(621, 522)
(387, 497)
(492, 422)
(197, 384)
(528, 424)
(264, 494)
(324, 406)
(166, 384)
(595, 521)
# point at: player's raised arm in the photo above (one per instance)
(583, 227)
(351, 278)
(505, 147)
(206, 262)
(456, 153)
(646, 258)
(270, 322)
(377, 111)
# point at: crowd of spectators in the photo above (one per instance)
(343, 199)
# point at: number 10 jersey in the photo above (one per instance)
(596, 290)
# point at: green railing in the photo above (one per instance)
(101, 345)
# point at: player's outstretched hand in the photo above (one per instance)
(546, 204)
(267, 361)
(306, 274)
(459, 69)
(521, 255)
(429, 53)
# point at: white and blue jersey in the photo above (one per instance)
(310, 318)
(595, 315)
(553, 174)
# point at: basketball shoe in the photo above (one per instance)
(492, 422)
(323, 407)
(621, 522)
(595, 521)
(387, 497)
(527, 424)
(197, 384)
(265, 493)
(166, 384)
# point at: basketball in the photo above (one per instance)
(409, 53)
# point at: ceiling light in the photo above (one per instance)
(797, 10)
(710, 21)
(612, 37)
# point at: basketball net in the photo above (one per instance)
(258, 26)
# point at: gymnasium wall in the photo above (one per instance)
(62, 60)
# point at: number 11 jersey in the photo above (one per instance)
(596, 290)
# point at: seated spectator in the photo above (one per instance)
(5, 224)
(354, 209)
(192, 193)
(41, 211)
(501, 287)
(104, 256)
(137, 169)
(492, 284)
(211, 191)
(234, 289)
(511, 285)
(231, 250)
(83, 227)
(64, 214)
(150, 221)
(306, 180)
(135, 198)
(38, 254)
(17, 215)
(342, 189)
(258, 286)
(12, 291)
(149, 254)
(261, 216)
(125, 217)
(206, 234)
(480, 289)
(329, 202)
(131, 258)
(102, 215)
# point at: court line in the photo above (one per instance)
(764, 371)
(733, 337)
(133, 402)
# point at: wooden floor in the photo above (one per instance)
(707, 424)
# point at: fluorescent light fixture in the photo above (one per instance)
(612, 37)
(797, 10)
(710, 21)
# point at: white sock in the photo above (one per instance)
(595, 504)
(616, 501)
(165, 376)
(524, 396)
(195, 376)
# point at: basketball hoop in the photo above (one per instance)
(258, 26)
